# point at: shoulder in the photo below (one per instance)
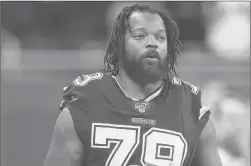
(84, 79)
(84, 86)
(193, 94)
(187, 86)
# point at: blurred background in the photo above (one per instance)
(45, 45)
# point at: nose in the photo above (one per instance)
(151, 43)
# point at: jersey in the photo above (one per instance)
(118, 131)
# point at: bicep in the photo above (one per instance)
(65, 148)
(207, 150)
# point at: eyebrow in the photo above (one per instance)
(142, 28)
(138, 28)
(161, 30)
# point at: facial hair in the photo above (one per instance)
(143, 71)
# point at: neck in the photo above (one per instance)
(138, 88)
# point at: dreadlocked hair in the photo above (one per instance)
(116, 42)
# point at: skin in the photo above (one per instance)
(66, 149)
(143, 74)
(207, 151)
(140, 74)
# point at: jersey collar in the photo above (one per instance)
(147, 99)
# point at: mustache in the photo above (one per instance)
(151, 53)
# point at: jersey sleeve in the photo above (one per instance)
(69, 96)
(65, 97)
(79, 97)
(73, 92)
(74, 97)
(201, 113)
(74, 100)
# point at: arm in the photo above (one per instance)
(207, 151)
(66, 149)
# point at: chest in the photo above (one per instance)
(158, 135)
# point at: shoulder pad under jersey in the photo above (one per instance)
(78, 88)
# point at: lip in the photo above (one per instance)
(153, 56)
(152, 59)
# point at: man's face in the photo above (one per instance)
(146, 44)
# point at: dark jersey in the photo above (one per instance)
(118, 131)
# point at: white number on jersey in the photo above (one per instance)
(127, 138)
(156, 140)
(84, 79)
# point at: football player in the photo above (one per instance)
(135, 113)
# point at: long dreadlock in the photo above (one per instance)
(116, 43)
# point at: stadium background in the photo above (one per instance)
(45, 45)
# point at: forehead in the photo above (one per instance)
(146, 20)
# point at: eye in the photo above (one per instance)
(139, 36)
(161, 38)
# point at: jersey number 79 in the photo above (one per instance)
(126, 139)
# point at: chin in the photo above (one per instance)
(152, 70)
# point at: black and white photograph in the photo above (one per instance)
(125, 83)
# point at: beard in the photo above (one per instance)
(148, 67)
